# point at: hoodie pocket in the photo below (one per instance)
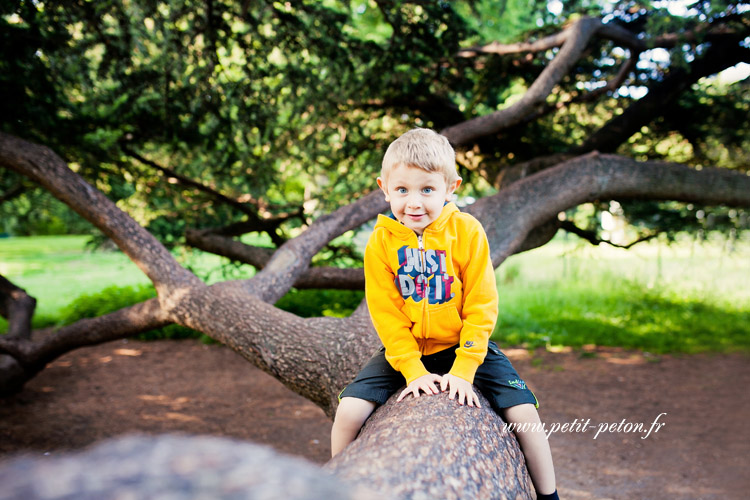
(445, 324)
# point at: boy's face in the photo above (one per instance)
(416, 196)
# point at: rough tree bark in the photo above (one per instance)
(477, 458)
(174, 467)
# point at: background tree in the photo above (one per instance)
(202, 121)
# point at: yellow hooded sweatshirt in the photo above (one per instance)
(429, 293)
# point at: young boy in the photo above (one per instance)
(430, 287)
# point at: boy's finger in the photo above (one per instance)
(443, 383)
(405, 393)
(474, 399)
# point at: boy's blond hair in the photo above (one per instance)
(423, 148)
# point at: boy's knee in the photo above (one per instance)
(353, 411)
(524, 412)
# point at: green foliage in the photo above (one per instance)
(36, 212)
(55, 269)
(312, 303)
(292, 103)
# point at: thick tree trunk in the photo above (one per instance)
(174, 467)
(431, 447)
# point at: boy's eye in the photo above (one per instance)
(428, 190)
(401, 190)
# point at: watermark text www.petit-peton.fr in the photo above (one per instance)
(582, 426)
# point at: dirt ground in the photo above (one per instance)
(183, 386)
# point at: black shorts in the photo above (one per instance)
(496, 378)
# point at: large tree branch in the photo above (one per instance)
(607, 31)
(254, 223)
(640, 113)
(47, 169)
(616, 33)
(314, 277)
(576, 41)
(718, 57)
(464, 453)
(292, 259)
(511, 214)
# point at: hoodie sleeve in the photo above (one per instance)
(391, 323)
(479, 312)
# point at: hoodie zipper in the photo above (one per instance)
(425, 293)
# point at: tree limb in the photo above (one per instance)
(592, 237)
(228, 247)
(46, 168)
(511, 214)
(576, 41)
(717, 57)
(609, 31)
(314, 277)
(255, 222)
(464, 453)
(640, 113)
(293, 258)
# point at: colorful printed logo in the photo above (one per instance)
(518, 384)
(421, 276)
(468, 343)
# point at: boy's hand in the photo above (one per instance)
(461, 387)
(425, 383)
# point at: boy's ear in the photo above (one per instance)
(452, 187)
(381, 185)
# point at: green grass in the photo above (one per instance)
(56, 269)
(687, 297)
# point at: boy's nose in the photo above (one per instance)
(414, 202)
